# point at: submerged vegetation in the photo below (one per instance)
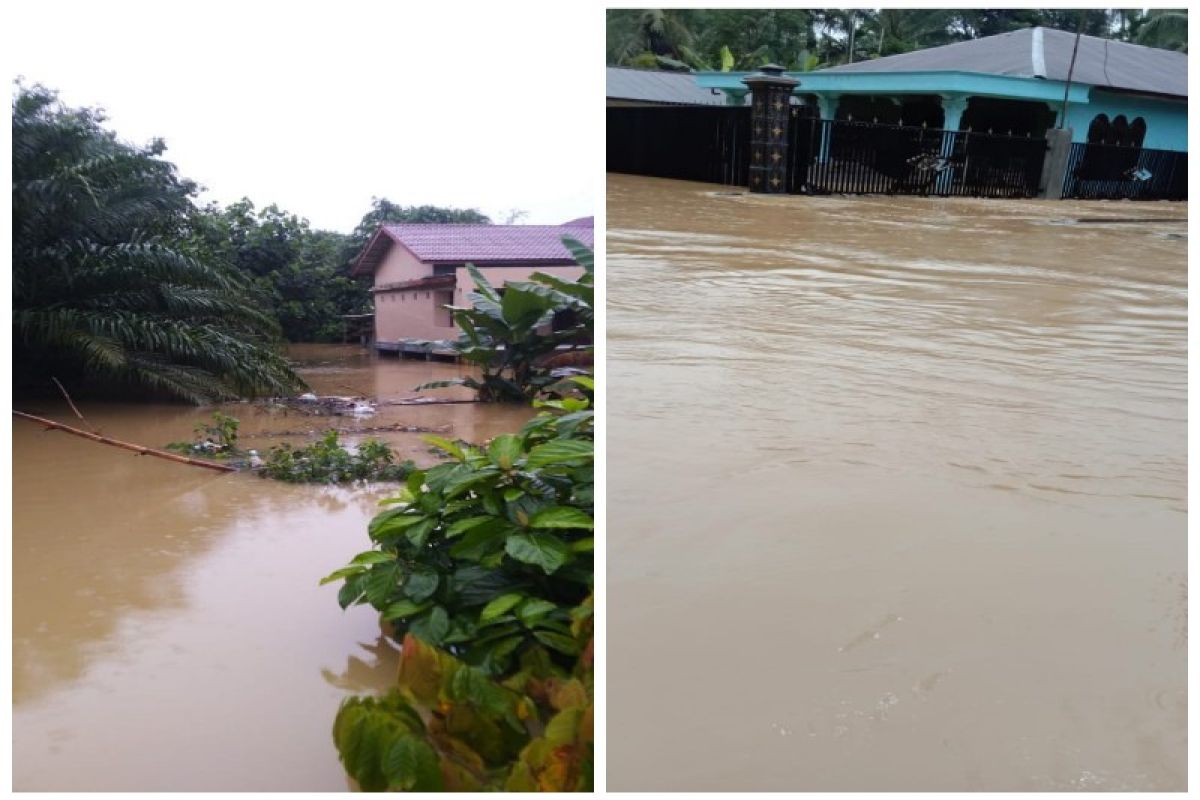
(327, 461)
(324, 461)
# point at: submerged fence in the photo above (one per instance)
(694, 143)
(712, 144)
(1113, 172)
(834, 156)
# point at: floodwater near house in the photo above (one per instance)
(168, 629)
(897, 493)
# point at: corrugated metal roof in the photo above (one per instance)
(1046, 53)
(651, 86)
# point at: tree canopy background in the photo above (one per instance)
(124, 285)
(807, 39)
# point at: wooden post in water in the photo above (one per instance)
(771, 93)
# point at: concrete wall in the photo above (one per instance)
(1166, 120)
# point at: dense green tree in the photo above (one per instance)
(108, 290)
(761, 36)
(1165, 28)
(303, 274)
(803, 39)
(655, 37)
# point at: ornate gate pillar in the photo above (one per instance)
(953, 106)
(771, 94)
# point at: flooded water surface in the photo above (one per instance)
(168, 629)
(897, 492)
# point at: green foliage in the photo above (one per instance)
(302, 274)
(488, 553)
(449, 726)
(808, 38)
(215, 439)
(105, 287)
(327, 461)
(512, 336)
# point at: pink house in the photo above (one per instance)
(420, 268)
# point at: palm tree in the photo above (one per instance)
(653, 36)
(105, 287)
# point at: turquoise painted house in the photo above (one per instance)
(1011, 83)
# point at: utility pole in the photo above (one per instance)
(1071, 71)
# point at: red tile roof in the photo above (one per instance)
(478, 244)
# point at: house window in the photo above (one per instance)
(1118, 132)
(1137, 132)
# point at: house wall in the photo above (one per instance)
(1166, 120)
(419, 313)
(400, 265)
(498, 276)
(412, 314)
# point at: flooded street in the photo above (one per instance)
(897, 492)
(168, 629)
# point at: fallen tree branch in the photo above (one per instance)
(71, 403)
(137, 448)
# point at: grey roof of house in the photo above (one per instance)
(652, 86)
(1046, 53)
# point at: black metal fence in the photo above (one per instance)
(1115, 172)
(834, 156)
(694, 143)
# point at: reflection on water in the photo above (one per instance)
(898, 492)
(168, 629)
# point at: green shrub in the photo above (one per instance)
(448, 726)
(326, 461)
(488, 553)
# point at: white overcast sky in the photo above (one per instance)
(320, 107)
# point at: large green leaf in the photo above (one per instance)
(411, 765)
(560, 451)
(505, 449)
(562, 517)
(540, 549)
(500, 606)
(522, 309)
(485, 286)
(420, 584)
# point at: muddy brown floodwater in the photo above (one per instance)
(168, 629)
(897, 492)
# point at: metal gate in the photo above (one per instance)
(1115, 172)
(845, 157)
(693, 143)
